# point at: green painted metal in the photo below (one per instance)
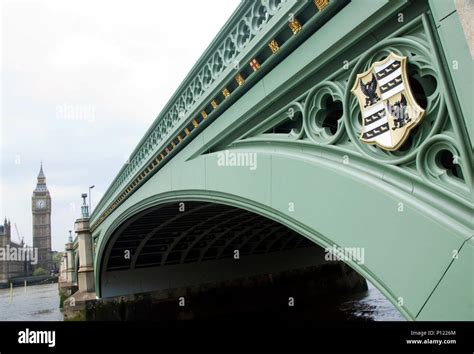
(457, 56)
(454, 282)
(412, 215)
(253, 25)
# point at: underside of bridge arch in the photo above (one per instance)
(194, 243)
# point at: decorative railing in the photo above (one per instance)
(434, 164)
(254, 37)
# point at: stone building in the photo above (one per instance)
(10, 267)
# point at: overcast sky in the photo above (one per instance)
(81, 81)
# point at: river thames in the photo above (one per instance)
(41, 303)
(36, 303)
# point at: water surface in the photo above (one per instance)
(41, 303)
(35, 303)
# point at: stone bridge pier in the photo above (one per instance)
(82, 293)
(67, 277)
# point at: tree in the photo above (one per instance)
(57, 257)
(40, 271)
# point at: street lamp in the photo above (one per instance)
(90, 201)
(84, 207)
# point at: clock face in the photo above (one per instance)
(40, 203)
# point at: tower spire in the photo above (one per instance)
(41, 184)
(41, 173)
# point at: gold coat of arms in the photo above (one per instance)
(389, 110)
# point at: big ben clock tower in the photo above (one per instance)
(41, 207)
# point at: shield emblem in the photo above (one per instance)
(389, 110)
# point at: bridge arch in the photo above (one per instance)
(230, 205)
(394, 247)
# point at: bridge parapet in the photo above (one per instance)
(258, 35)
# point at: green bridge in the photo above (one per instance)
(263, 151)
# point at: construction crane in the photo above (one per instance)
(18, 235)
